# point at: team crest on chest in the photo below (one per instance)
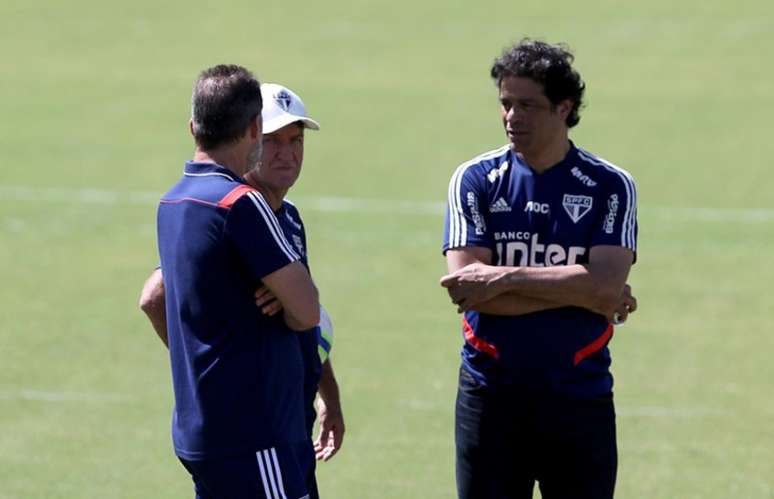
(577, 206)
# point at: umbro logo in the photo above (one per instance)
(292, 221)
(584, 179)
(500, 206)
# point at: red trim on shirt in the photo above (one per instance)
(478, 343)
(594, 347)
(232, 197)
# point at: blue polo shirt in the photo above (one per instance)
(525, 218)
(237, 374)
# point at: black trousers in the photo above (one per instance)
(506, 441)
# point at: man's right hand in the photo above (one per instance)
(627, 306)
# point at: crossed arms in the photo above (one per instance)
(289, 284)
(473, 283)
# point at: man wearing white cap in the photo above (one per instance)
(284, 123)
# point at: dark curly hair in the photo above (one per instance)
(226, 99)
(548, 65)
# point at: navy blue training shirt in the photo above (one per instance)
(237, 374)
(496, 201)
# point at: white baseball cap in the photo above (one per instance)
(281, 107)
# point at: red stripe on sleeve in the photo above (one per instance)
(232, 197)
(594, 346)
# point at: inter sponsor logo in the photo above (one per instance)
(577, 206)
(535, 207)
(584, 179)
(534, 254)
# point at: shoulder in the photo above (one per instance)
(591, 169)
(290, 208)
(490, 163)
(290, 211)
(246, 201)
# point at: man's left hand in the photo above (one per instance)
(331, 434)
(266, 301)
(472, 284)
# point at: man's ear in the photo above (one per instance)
(190, 126)
(564, 108)
(256, 128)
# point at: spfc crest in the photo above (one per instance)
(577, 206)
(283, 99)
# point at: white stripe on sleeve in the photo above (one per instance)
(629, 222)
(458, 226)
(271, 222)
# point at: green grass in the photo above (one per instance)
(96, 96)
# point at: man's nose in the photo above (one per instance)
(285, 152)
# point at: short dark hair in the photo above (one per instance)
(548, 65)
(226, 99)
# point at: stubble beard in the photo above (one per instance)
(254, 157)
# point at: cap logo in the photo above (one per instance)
(283, 100)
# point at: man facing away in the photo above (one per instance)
(237, 373)
(540, 236)
(284, 122)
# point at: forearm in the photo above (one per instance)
(511, 303)
(329, 388)
(153, 304)
(570, 285)
(159, 323)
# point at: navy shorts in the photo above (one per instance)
(506, 441)
(273, 473)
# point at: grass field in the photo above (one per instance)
(95, 99)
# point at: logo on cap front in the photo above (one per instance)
(283, 100)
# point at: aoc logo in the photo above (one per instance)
(577, 206)
(535, 207)
(283, 99)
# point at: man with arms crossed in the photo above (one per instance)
(237, 373)
(284, 122)
(540, 236)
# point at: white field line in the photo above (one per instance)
(49, 396)
(670, 412)
(363, 205)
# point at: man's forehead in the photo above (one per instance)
(295, 128)
(520, 86)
